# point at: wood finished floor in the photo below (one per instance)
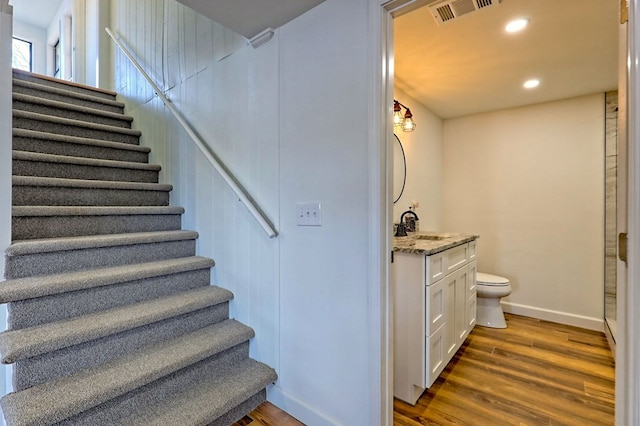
(268, 414)
(531, 373)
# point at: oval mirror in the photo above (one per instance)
(399, 169)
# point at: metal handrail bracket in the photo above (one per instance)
(242, 194)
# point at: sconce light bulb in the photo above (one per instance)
(408, 125)
(398, 118)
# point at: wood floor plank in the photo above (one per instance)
(268, 414)
(533, 373)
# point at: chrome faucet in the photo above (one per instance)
(410, 224)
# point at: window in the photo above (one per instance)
(22, 57)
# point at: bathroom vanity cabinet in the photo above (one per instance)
(434, 311)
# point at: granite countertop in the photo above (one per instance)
(428, 243)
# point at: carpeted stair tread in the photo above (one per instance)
(87, 183)
(56, 400)
(112, 318)
(21, 248)
(33, 341)
(54, 93)
(23, 102)
(53, 137)
(38, 222)
(62, 91)
(34, 287)
(18, 211)
(66, 159)
(27, 163)
(76, 123)
(28, 258)
(63, 84)
(205, 402)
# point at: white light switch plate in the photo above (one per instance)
(309, 214)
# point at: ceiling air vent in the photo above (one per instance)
(448, 10)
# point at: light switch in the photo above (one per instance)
(309, 214)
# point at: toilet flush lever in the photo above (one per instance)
(622, 246)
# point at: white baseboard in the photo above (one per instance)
(298, 409)
(589, 323)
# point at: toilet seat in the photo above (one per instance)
(491, 280)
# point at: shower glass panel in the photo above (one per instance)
(611, 239)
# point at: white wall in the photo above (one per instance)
(324, 346)
(423, 151)
(5, 163)
(38, 38)
(211, 93)
(60, 29)
(290, 120)
(530, 181)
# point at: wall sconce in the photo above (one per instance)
(402, 121)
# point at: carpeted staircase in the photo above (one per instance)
(112, 318)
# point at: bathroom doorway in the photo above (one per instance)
(407, 84)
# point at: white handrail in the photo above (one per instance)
(228, 178)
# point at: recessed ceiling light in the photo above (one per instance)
(516, 25)
(530, 84)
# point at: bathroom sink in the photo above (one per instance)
(434, 237)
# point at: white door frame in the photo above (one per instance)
(628, 344)
(628, 347)
(381, 187)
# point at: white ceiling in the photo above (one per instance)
(38, 13)
(467, 65)
(250, 17)
(246, 17)
(470, 65)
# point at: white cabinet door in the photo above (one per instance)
(438, 357)
(460, 305)
(450, 339)
(436, 306)
(471, 297)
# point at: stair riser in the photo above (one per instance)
(74, 115)
(32, 312)
(77, 150)
(117, 411)
(40, 369)
(31, 227)
(77, 171)
(63, 196)
(63, 86)
(100, 257)
(70, 130)
(68, 99)
(241, 410)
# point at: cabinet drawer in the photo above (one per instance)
(436, 267)
(436, 307)
(473, 247)
(456, 257)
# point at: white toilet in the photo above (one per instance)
(490, 289)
